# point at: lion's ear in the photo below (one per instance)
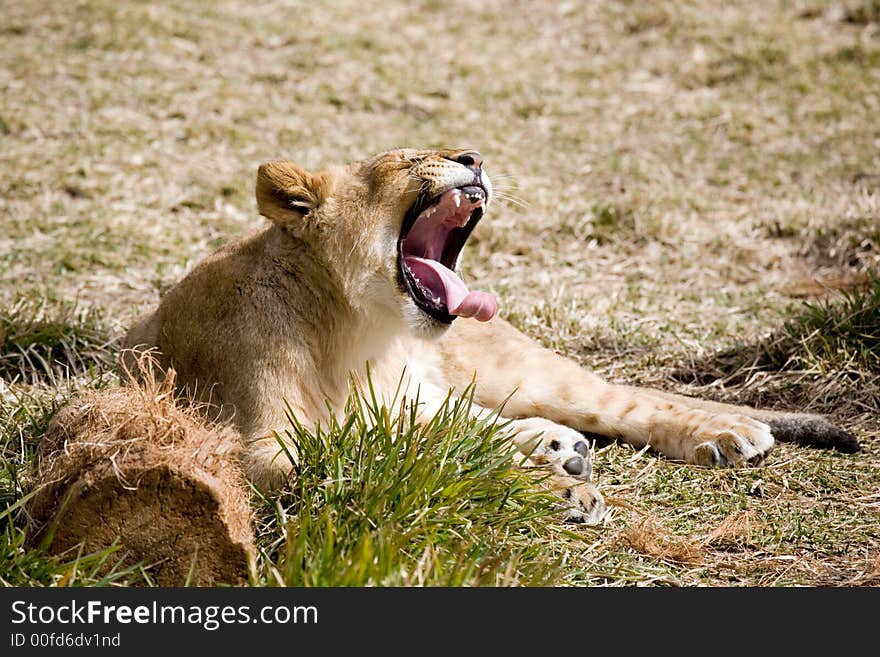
(286, 193)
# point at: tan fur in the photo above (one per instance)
(292, 311)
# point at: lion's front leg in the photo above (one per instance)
(268, 462)
(538, 383)
(552, 445)
(582, 501)
(675, 430)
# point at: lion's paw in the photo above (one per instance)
(733, 440)
(558, 446)
(582, 500)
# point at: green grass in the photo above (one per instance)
(843, 334)
(379, 500)
(43, 344)
(22, 564)
(816, 360)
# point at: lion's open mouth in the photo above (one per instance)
(434, 232)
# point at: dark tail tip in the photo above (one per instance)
(813, 431)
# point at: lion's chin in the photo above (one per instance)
(422, 325)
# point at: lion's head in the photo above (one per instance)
(391, 228)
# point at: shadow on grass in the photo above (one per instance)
(826, 358)
(42, 344)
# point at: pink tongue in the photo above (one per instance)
(444, 283)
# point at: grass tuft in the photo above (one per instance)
(837, 334)
(647, 537)
(379, 500)
(39, 344)
(604, 223)
(20, 566)
(23, 421)
(816, 357)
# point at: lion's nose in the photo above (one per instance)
(470, 159)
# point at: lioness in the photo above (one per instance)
(357, 267)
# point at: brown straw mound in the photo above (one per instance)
(129, 463)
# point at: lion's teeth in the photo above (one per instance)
(457, 198)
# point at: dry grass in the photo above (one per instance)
(677, 178)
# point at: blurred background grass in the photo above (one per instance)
(677, 179)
